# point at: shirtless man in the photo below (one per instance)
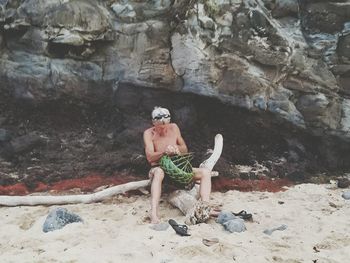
(165, 138)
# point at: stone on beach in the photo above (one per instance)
(346, 195)
(58, 218)
(235, 225)
(231, 222)
(224, 216)
(343, 183)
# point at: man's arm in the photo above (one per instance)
(179, 140)
(151, 155)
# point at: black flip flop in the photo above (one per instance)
(244, 215)
(179, 229)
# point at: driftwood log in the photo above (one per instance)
(71, 199)
(187, 201)
(31, 200)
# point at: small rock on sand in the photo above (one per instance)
(346, 195)
(58, 218)
(235, 225)
(223, 217)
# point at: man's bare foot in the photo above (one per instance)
(155, 220)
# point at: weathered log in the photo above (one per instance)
(183, 200)
(71, 199)
(212, 160)
(186, 201)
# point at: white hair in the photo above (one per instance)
(158, 115)
(159, 111)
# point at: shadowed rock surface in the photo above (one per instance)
(78, 80)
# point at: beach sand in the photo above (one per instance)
(118, 230)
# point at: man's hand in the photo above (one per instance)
(171, 150)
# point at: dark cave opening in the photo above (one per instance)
(67, 138)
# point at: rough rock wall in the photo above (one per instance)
(284, 58)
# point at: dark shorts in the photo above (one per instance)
(172, 181)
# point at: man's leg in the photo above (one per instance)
(157, 176)
(204, 176)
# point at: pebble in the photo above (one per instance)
(346, 195)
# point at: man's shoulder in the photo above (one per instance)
(173, 125)
(148, 131)
(174, 128)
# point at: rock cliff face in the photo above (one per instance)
(285, 60)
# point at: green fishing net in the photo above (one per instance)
(178, 168)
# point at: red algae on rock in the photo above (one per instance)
(93, 181)
(85, 184)
(16, 189)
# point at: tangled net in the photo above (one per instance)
(178, 168)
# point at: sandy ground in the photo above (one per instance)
(118, 230)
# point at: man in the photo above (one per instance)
(164, 138)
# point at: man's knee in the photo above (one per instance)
(202, 173)
(206, 173)
(158, 174)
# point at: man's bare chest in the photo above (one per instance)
(160, 142)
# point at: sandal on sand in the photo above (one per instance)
(179, 229)
(244, 215)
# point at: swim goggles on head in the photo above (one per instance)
(161, 116)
